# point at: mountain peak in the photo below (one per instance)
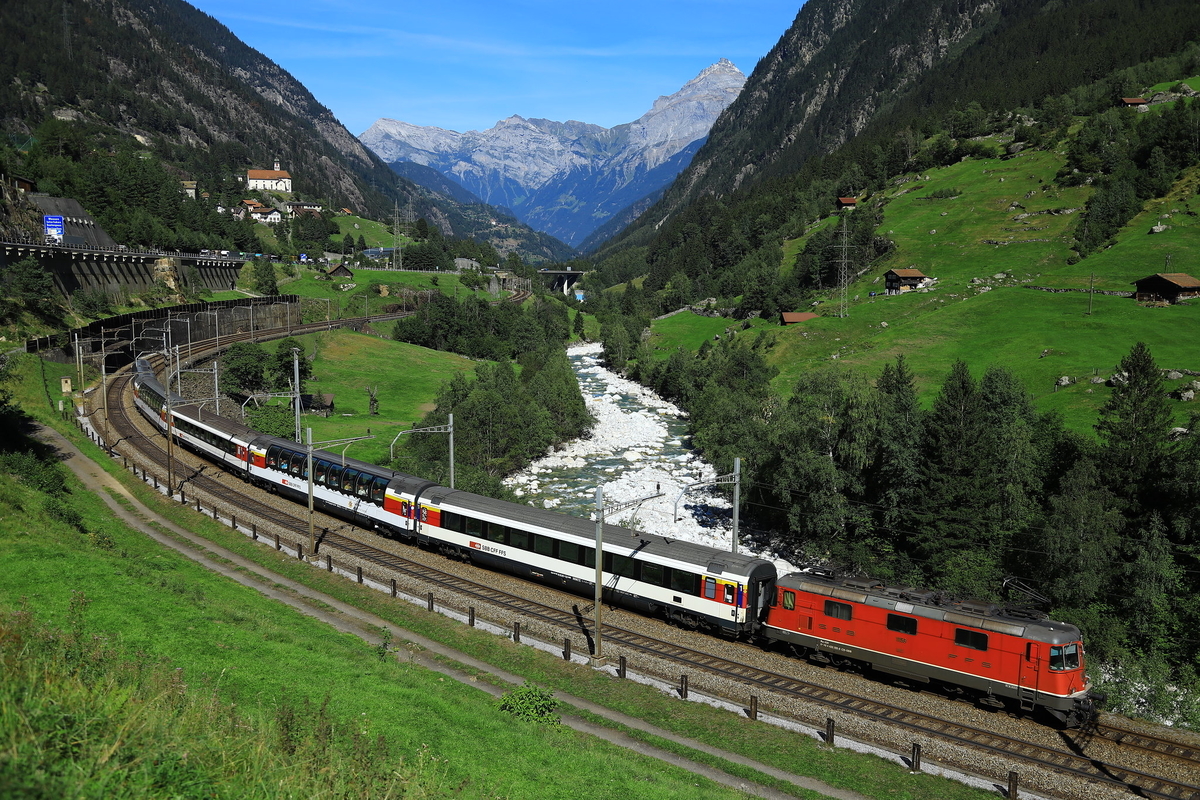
(568, 176)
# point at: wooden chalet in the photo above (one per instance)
(847, 202)
(1134, 102)
(1169, 287)
(340, 271)
(793, 317)
(898, 281)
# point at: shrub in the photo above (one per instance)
(531, 703)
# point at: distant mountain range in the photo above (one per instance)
(564, 178)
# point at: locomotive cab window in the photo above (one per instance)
(1064, 658)
(976, 640)
(839, 610)
(899, 624)
(789, 600)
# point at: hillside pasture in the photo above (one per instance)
(407, 379)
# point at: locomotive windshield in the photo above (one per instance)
(1064, 658)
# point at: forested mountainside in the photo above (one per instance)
(169, 80)
(866, 80)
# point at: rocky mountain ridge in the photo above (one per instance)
(568, 178)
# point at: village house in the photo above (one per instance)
(847, 202)
(898, 281)
(297, 208)
(340, 271)
(265, 215)
(1169, 287)
(1140, 103)
(268, 180)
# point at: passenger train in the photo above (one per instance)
(997, 655)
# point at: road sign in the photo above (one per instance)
(54, 226)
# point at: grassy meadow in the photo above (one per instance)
(965, 242)
(407, 379)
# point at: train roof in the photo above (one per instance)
(410, 484)
(209, 419)
(709, 559)
(935, 605)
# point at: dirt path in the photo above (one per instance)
(367, 626)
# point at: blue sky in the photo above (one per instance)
(464, 64)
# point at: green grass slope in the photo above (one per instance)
(1008, 228)
(406, 377)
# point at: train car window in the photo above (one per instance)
(378, 490)
(683, 581)
(320, 470)
(348, 479)
(899, 624)
(543, 545)
(619, 565)
(789, 600)
(273, 456)
(569, 552)
(474, 526)
(453, 522)
(589, 557)
(710, 588)
(518, 539)
(976, 640)
(1064, 658)
(362, 487)
(839, 610)
(652, 573)
(729, 593)
(334, 479)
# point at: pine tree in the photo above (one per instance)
(1133, 428)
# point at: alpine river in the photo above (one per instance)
(636, 450)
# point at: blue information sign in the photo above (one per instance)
(54, 225)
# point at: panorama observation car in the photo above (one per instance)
(997, 655)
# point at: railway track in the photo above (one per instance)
(337, 537)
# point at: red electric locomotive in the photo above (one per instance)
(1002, 656)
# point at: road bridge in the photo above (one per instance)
(562, 280)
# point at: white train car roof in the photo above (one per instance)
(409, 484)
(618, 540)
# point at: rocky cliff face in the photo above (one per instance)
(826, 79)
(568, 178)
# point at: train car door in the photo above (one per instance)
(1030, 670)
